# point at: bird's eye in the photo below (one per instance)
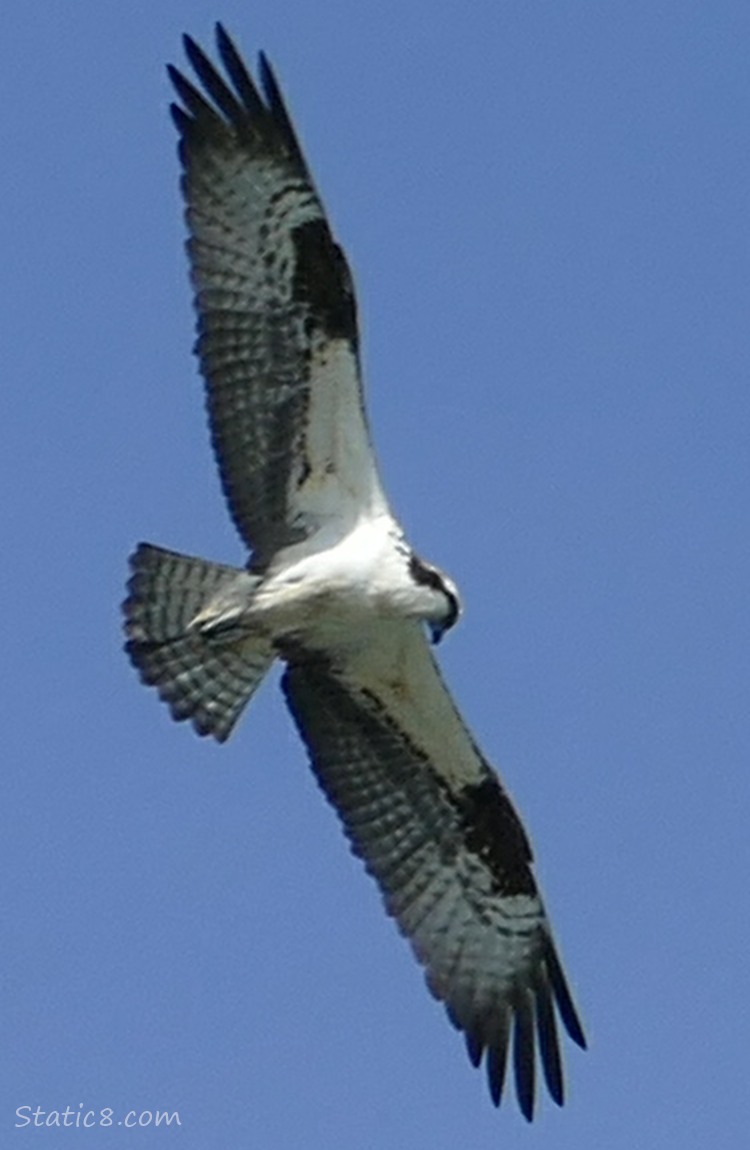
(452, 611)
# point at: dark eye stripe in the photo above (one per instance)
(427, 576)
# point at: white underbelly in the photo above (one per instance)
(333, 595)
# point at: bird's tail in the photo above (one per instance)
(204, 674)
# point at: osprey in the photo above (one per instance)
(332, 588)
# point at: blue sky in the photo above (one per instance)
(546, 209)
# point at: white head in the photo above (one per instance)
(442, 606)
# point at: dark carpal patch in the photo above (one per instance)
(494, 833)
(423, 573)
(322, 280)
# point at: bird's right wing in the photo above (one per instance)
(277, 326)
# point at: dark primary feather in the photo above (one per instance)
(449, 862)
(238, 73)
(278, 108)
(549, 1049)
(523, 1052)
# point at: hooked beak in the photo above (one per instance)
(437, 630)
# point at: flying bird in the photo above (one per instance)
(332, 588)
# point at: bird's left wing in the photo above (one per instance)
(277, 325)
(436, 830)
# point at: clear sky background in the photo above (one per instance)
(546, 208)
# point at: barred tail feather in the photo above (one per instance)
(206, 678)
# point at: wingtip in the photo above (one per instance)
(223, 39)
(272, 92)
(267, 78)
(180, 118)
(523, 1055)
(563, 998)
(474, 1047)
(195, 53)
(573, 1023)
(496, 1060)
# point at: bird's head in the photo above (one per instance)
(442, 605)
